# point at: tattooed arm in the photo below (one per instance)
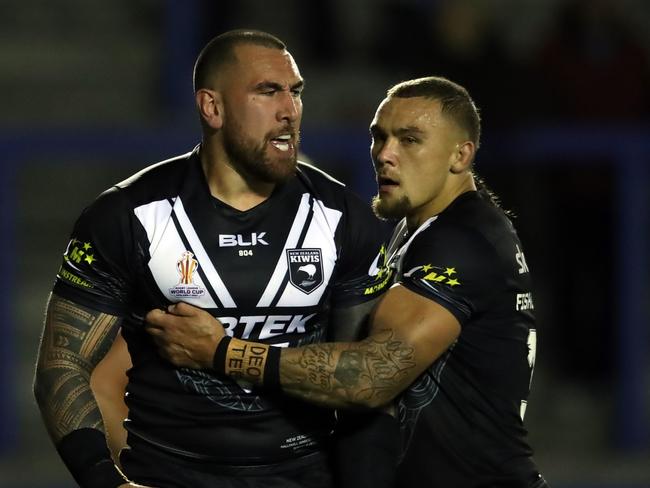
(408, 333)
(369, 373)
(75, 339)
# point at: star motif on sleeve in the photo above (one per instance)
(87, 246)
(453, 282)
(426, 267)
(450, 271)
(89, 258)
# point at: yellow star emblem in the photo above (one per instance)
(87, 246)
(426, 267)
(453, 282)
(450, 271)
(89, 258)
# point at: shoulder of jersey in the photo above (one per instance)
(317, 175)
(158, 172)
(475, 216)
(468, 209)
(156, 182)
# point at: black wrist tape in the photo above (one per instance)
(88, 459)
(219, 360)
(272, 368)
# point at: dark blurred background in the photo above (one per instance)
(92, 91)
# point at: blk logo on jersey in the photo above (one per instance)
(232, 240)
(305, 269)
(186, 267)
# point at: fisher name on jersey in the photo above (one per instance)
(269, 274)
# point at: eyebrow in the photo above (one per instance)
(265, 85)
(410, 129)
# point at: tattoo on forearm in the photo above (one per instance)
(371, 369)
(316, 362)
(349, 368)
(74, 340)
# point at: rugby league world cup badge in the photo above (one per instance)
(186, 267)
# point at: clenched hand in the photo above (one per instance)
(187, 336)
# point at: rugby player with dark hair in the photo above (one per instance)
(275, 249)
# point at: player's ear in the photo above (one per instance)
(462, 157)
(210, 106)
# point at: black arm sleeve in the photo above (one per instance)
(88, 459)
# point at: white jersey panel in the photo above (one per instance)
(319, 235)
(204, 260)
(281, 267)
(168, 253)
(154, 217)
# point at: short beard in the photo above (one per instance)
(387, 211)
(251, 160)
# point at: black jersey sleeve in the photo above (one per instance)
(95, 267)
(454, 266)
(362, 272)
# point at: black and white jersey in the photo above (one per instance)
(462, 419)
(270, 274)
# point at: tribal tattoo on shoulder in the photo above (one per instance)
(75, 339)
(369, 371)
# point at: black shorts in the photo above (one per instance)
(149, 466)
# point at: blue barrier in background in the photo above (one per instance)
(628, 149)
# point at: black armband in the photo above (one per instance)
(272, 368)
(219, 360)
(88, 459)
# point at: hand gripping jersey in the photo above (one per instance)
(270, 274)
(462, 420)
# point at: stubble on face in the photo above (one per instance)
(250, 158)
(387, 210)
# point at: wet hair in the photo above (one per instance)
(454, 99)
(220, 51)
